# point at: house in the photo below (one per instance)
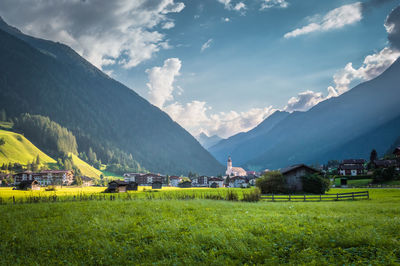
(149, 179)
(132, 186)
(117, 186)
(396, 152)
(386, 163)
(352, 167)
(185, 184)
(131, 177)
(234, 171)
(238, 181)
(23, 176)
(294, 173)
(55, 177)
(28, 184)
(201, 181)
(86, 181)
(215, 182)
(156, 185)
(174, 180)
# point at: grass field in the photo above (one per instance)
(193, 232)
(17, 149)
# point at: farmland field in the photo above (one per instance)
(187, 232)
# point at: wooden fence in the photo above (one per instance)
(324, 197)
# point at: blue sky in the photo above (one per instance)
(246, 69)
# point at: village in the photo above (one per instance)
(235, 177)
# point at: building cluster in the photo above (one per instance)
(356, 167)
(33, 180)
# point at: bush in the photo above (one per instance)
(51, 188)
(232, 195)
(315, 184)
(272, 182)
(252, 196)
(384, 174)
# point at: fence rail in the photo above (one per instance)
(324, 197)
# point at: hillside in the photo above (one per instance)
(349, 126)
(207, 141)
(17, 149)
(85, 168)
(50, 79)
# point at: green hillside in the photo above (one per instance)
(17, 149)
(85, 168)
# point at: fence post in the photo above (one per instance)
(304, 197)
(272, 197)
(289, 197)
(320, 197)
(352, 194)
(337, 196)
(367, 194)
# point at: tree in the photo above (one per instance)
(272, 182)
(227, 180)
(374, 156)
(315, 184)
(38, 160)
(3, 115)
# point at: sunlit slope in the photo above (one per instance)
(17, 149)
(85, 168)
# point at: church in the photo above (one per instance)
(234, 171)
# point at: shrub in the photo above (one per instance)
(232, 195)
(315, 184)
(252, 196)
(384, 174)
(51, 188)
(272, 182)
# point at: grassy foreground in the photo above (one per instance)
(194, 232)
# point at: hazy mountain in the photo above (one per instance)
(51, 79)
(243, 146)
(348, 126)
(207, 141)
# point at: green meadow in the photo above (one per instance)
(150, 230)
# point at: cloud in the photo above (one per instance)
(304, 101)
(239, 6)
(168, 25)
(196, 118)
(334, 19)
(372, 66)
(392, 25)
(161, 80)
(274, 3)
(206, 45)
(225, 19)
(104, 32)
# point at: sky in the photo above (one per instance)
(222, 66)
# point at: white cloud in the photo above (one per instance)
(239, 6)
(161, 80)
(206, 45)
(196, 118)
(372, 66)
(334, 19)
(104, 32)
(168, 25)
(304, 101)
(225, 19)
(274, 3)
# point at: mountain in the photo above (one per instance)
(50, 79)
(349, 126)
(207, 141)
(246, 145)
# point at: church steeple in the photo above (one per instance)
(229, 164)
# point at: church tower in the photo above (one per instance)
(229, 166)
